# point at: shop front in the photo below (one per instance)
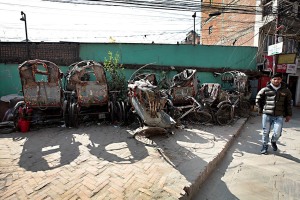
(289, 66)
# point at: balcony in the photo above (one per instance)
(267, 8)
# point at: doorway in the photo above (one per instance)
(292, 84)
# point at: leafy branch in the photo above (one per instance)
(117, 81)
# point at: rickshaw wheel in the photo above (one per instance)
(224, 114)
(66, 114)
(200, 117)
(244, 109)
(126, 111)
(111, 111)
(119, 112)
(134, 120)
(123, 111)
(74, 114)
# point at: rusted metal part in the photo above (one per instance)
(210, 92)
(88, 79)
(238, 82)
(41, 83)
(252, 73)
(148, 102)
(148, 95)
(184, 84)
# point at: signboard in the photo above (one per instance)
(275, 49)
(281, 68)
(291, 68)
(268, 64)
(287, 58)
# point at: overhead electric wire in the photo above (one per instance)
(165, 31)
(230, 36)
(171, 5)
(164, 5)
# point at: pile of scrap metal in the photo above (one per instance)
(86, 92)
(148, 102)
(7, 104)
(238, 82)
(184, 84)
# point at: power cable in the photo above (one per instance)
(193, 6)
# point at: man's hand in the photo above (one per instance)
(287, 118)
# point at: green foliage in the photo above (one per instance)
(117, 80)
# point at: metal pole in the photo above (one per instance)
(194, 16)
(27, 44)
(274, 56)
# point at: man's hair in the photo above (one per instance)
(277, 75)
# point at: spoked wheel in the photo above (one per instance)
(200, 117)
(224, 114)
(66, 115)
(111, 111)
(74, 115)
(119, 111)
(126, 111)
(123, 111)
(244, 109)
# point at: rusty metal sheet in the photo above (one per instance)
(148, 102)
(88, 79)
(179, 94)
(92, 94)
(162, 119)
(41, 83)
(43, 95)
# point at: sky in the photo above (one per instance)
(54, 22)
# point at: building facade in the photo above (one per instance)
(227, 22)
(279, 42)
(271, 25)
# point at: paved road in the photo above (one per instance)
(106, 162)
(246, 174)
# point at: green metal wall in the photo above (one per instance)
(158, 54)
(175, 55)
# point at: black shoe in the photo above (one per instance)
(264, 149)
(274, 146)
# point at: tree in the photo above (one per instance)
(115, 70)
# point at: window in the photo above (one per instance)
(268, 40)
(289, 46)
(210, 29)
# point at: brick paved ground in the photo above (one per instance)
(106, 162)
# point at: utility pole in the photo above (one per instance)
(194, 16)
(276, 36)
(23, 18)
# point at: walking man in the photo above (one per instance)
(274, 103)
